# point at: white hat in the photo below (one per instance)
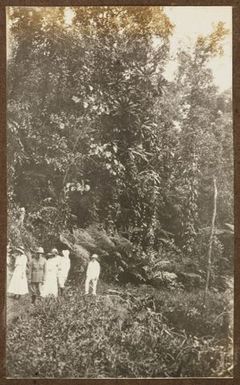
(54, 251)
(21, 249)
(40, 250)
(94, 256)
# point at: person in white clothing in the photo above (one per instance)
(92, 274)
(18, 284)
(63, 269)
(50, 285)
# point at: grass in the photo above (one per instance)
(123, 332)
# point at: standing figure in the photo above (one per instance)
(18, 284)
(92, 274)
(63, 269)
(22, 216)
(37, 270)
(50, 286)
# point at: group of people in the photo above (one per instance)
(47, 275)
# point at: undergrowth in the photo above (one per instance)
(122, 333)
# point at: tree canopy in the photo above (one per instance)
(97, 136)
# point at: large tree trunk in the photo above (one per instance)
(211, 239)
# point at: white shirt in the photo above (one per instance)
(63, 265)
(93, 270)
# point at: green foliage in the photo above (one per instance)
(19, 235)
(121, 334)
(96, 134)
(190, 315)
(108, 157)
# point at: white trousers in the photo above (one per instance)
(93, 282)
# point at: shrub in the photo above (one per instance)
(116, 335)
(20, 235)
(185, 311)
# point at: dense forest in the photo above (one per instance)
(108, 156)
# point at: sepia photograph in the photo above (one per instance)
(120, 171)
